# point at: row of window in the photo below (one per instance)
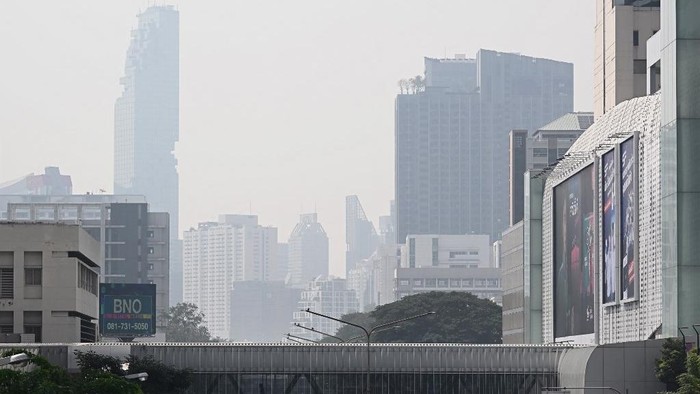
(450, 282)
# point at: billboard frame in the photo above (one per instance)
(635, 230)
(591, 337)
(615, 152)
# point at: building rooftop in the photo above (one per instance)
(570, 121)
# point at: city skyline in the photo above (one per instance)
(357, 86)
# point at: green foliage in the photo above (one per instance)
(42, 377)
(93, 362)
(185, 324)
(460, 317)
(689, 381)
(96, 382)
(161, 378)
(672, 363)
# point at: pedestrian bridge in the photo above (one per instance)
(234, 368)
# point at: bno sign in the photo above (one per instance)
(127, 310)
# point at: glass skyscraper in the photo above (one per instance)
(452, 138)
(146, 123)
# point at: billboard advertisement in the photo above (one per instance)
(574, 254)
(628, 222)
(609, 237)
(127, 310)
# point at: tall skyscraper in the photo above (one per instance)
(620, 72)
(308, 251)
(146, 123)
(217, 254)
(360, 236)
(452, 138)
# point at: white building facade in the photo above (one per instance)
(329, 296)
(216, 254)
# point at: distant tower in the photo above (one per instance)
(360, 236)
(146, 123)
(308, 251)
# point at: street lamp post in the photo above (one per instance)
(697, 337)
(14, 359)
(302, 338)
(680, 329)
(318, 332)
(582, 388)
(368, 333)
(141, 376)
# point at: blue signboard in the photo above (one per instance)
(127, 310)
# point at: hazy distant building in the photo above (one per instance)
(547, 145)
(217, 254)
(452, 138)
(261, 311)
(360, 236)
(308, 251)
(146, 122)
(134, 242)
(49, 276)
(620, 72)
(387, 226)
(50, 183)
(327, 295)
(282, 270)
(449, 251)
(482, 282)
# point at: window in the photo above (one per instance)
(150, 234)
(150, 266)
(151, 250)
(540, 152)
(435, 251)
(32, 276)
(32, 324)
(87, 279)
(7, 283)
(6, 322)
(635, 38)
(403, 282)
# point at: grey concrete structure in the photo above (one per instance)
(134, 242)
(454, 135)
(395, 368)
(619, 68)
(482, 282)
(146, 123)
(49, 278)
(543, 149)
(513, 272)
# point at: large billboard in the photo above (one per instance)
(628, 222)
(609, 237)
(127, 310)
(574, 255)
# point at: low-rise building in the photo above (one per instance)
(482, 282)
(49, 279)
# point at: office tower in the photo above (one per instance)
(308, 251)
(327, 295)
(50, 183)
(261, 310)
(282, 269)
(622, 28)
(543, 149)
(446, 251)
(452, 138)
(360, 236)
(146, 123)
(134, 242)
(48, 283)
(217, 254)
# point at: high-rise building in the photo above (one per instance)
(360, 236)
(146, 123)
(134, 242)
(452, 138)
(281, 271)
(217, 254)
(543, 149)
(308, 251)
(327, 295)
(619, 72)
(261, 310)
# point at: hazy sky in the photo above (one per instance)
(286, 106)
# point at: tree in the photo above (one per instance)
(689, 381)
(185, 324)
(42, 377)
(161, 378)
(672, 363)
(461, 317)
